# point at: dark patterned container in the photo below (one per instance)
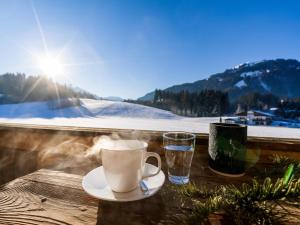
(227, 148)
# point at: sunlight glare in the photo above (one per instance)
(51, 66)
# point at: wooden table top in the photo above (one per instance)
(53, 197)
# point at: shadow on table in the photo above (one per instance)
(147, 211)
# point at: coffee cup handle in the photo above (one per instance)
(155, 155)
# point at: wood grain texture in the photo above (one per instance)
(52, 197)
(46, 197)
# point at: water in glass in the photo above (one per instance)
(179, 159)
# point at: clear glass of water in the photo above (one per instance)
(179, 150)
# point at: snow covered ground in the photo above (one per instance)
(109, 114)
(89, 108)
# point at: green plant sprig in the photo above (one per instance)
(259, 202)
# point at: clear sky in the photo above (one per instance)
(128, 48)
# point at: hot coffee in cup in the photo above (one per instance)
(124, 163)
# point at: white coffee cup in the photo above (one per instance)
(124, 163)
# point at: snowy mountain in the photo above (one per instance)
(280, 77)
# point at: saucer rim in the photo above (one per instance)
(153, 192)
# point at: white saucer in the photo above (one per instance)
(94, 183)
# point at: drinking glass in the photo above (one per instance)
(179, 150)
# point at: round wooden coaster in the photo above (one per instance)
(226, 174)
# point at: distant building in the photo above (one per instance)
(255, 117)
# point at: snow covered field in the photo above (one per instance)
(109, 114)
(89, 108)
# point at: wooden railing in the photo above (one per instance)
(27, 148)
(48, 195)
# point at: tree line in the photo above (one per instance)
(16, 88)
(217, 103)
(203, 103)
(255, 100)
(289, 108)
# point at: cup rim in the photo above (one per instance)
(218, 124)
(192, 136)
(125, 148)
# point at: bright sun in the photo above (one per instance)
(51, 66)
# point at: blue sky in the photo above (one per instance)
(128, 48)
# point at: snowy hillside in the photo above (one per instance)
(120, 115)
(87, 108)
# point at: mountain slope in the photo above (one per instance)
(280, 77)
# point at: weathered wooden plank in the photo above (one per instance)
(52, 197)
(46, 197)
